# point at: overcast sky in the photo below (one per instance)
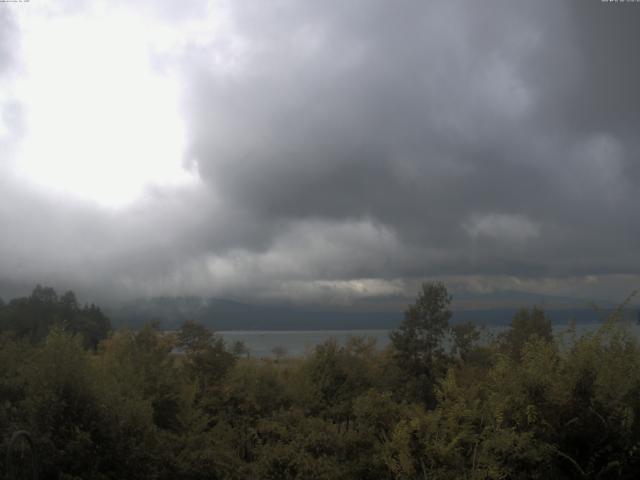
(320, 152)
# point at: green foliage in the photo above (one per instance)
(153, 405)
(465, 339)
(417, 343)
(82, 429)
(336, 376)
(33, 317)
(526, 324)
(206, 359)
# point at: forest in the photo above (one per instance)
(443, 401)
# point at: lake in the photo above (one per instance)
(299, 342)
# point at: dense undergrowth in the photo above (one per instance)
(147, 404)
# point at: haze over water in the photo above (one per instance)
(299, 342)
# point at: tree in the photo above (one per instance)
(193, 337)
(465, 337)
(526, 324)
(34, 316)
(207, 360)
(417, 342)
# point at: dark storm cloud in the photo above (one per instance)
(375, 140)
(424, 116)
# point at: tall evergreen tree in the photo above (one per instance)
(417, 343)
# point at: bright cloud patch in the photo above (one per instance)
(101, 124)
(502, 226)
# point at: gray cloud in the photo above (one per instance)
(425, 115)
(7, 35)
(379, 141)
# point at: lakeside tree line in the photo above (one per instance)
(442, 401)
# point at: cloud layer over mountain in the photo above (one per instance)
(347, 150)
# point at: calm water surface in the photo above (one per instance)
(299, 342)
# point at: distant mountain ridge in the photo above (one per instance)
(222, 314)
(517, 299)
